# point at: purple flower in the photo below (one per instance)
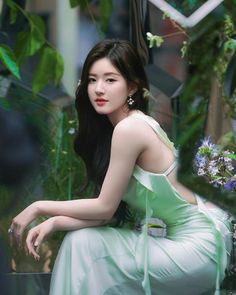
(212, 168)
(200, 160)
(231, 184)
(208, 148)
(216, 165)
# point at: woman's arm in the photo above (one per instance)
(127, 144)
(39, 233)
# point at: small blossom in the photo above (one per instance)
(212, 167)
(201, 172)
(71, 131)
(154, 40)
(215, 165)
(200, 160)
(231, 184)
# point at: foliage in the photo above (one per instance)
(29, 42)
(61, 174)
(187, 7)
(105, 10)
(225, 65)
(210, 51)
(203, 52)
(33, 41)
(8, 58)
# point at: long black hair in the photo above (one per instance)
(93, 139)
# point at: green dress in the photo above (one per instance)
(190, 259)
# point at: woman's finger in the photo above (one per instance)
(38, 242)
(30, 240)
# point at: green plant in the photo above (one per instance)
(29, 42)
(210, 52)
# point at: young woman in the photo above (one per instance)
(133, 165)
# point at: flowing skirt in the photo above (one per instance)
(103, 261)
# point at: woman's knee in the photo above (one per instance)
(80, 236)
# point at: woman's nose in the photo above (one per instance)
(99, 87)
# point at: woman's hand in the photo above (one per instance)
(37, 235)
(20, 222)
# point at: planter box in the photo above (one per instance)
(28, 283)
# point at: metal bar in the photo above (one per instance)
(194, 18)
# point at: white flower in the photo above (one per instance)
(149, 35)
(71, 131)
(212, 168)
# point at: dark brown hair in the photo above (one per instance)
(93, 140)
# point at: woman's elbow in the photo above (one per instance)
(107, 212)
(108, 215)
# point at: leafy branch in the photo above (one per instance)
(29, 42)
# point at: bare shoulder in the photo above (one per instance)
(130, 131)
(131, 126)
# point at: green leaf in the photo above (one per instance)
(29, 42)
(231, 156)
(37, 26)
(13, 15)
(154, 40)
(9, 60)
(50, 68)
(81, 3)
(58, 69)
(13, 11)
(106, 11)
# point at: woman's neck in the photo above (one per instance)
(115, 118)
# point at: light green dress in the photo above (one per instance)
(190, 259)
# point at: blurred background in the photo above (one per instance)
(192, 81)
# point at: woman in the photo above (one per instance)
(133, 165)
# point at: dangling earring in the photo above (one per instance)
(130, 100)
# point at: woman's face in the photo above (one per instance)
(107, 89)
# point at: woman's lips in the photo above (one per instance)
(100, 101)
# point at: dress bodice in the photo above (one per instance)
(153, 195)
(164, 200)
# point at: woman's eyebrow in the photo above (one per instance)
(105, 74)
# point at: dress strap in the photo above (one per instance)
(157, 128)
(171, 168)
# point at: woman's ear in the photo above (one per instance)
(132, 89)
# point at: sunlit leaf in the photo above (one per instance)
(50, 68)
(37, 26)
(8, 59)
(231, 156)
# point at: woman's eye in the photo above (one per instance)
(110, 80)
(91, 80)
